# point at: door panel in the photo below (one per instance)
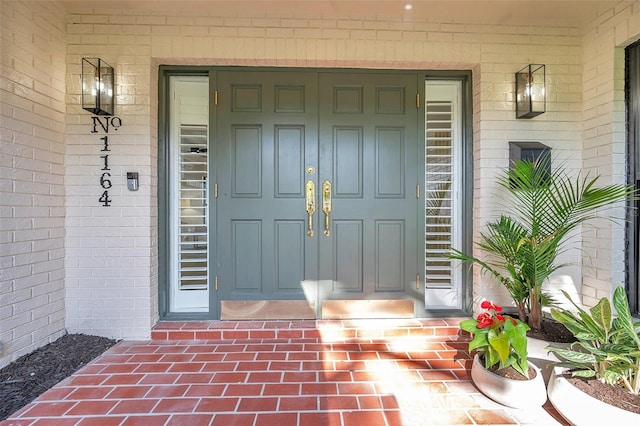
(347, 256)
(246, 244)
(389, 263)
(289, 254)
(348, 168)
(289, 161)
(246, 164)
(266, 134)
(390, 168)
(368, 150)
(278, 130)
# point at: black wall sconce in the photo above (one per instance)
(531, 97)
(97, 86)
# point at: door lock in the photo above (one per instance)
(310, 202)
(326, 206)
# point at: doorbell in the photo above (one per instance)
(132, 181)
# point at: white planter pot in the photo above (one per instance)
(509, 392)
(578, 408)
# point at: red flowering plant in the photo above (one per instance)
(499, 338)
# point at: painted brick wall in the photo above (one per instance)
(136, 42)
(111, 252)
(32, 191)
(604, 137)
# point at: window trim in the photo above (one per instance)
(632, 101)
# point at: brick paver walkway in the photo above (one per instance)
(280, 373)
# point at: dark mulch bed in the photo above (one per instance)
(612, 395)
(552, 331)
(26, 378)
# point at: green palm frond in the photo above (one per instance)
(545, 207)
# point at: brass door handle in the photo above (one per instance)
(310, 202)
(326, 206)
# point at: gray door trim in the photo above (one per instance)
(164, 74)
(465, 77)
(167, 70)
(632, 92)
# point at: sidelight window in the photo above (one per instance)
(189, 135)
(443, 182)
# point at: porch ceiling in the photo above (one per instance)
(538, 12)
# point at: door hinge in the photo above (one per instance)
(215, 190)
(215, 97)
(418, 282)
(418, 191)
(216, 283)
(418, 100)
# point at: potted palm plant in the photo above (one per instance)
(546, 207)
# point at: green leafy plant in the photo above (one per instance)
(500, 339)
(607, 347)
(522, 248)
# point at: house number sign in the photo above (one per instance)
(102, 125)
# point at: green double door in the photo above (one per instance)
(318, 212)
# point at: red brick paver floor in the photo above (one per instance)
(280, 373)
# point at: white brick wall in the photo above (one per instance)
(136, 42)
(111, 252)
(494, 52)
(604, 140)
(32, 189)
(111, 285)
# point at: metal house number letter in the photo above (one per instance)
(104, 124)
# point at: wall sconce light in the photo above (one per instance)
(531, 97)
(97, 86)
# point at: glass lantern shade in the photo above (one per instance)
(530, 91)
(97, 86)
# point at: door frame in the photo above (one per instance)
(632, 100)
(465, 77)
(164, 194)
(166, 71)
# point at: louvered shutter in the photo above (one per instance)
(189, 134)
(442, 192)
